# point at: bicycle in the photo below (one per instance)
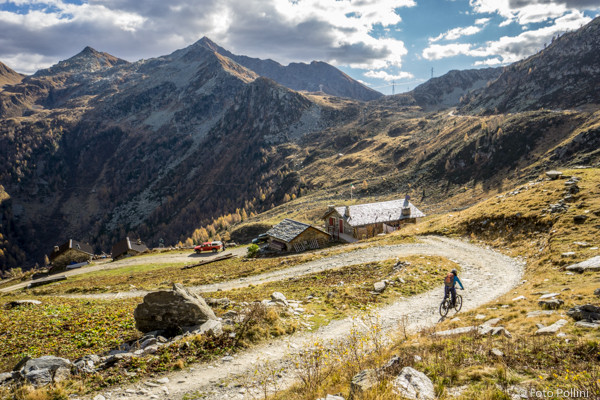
(446, 304)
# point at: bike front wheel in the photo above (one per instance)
(458, 304)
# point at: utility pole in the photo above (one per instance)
(432, 72)
(393, 88)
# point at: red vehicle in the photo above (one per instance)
(209, 246)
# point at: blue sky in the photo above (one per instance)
(378, 42)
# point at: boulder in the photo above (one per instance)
(331, 397)
(45, 362)
(362, 382)
(279, 298)
(554, 174)
(413, 384)
(597, 292)
(553, 304)
(552, 329)
(6, 378)
(392, 366)
(587, 312)
(379, 286)
(171, 309)
(589, 264)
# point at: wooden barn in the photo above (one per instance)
(70, 252)
(291, 235)
(367, 220)
(128, 248)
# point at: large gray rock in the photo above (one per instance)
(587, 312)
(379, 286)
(413, 384)
(171, 309)
(46, 362)
(591, 264)
(6, 378)
(362, 382)
(279, 298)
(39, 377)
(554, 174)
(18, 303)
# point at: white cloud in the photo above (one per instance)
(489, 62)
(389, 77)
(336, 31)
(531, 11)
(482, 21)
(456, 33)
(510, 48)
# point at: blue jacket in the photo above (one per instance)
(456, 280)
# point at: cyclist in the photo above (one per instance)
(450, 282)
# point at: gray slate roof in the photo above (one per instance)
(373, 213)
(287, 230)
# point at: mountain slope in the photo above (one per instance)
(8, 76)
(564, 75)
(317, 76)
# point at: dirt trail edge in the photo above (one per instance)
(485, 273)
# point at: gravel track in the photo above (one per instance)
(481, 268)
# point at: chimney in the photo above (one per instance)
(347, 212)
(406, 207)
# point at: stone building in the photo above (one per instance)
(70, 252)
(128, 248)
(367, 220)
(291, 235)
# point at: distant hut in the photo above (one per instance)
(70, 252)
(128, 248)
(367, 220)
(291, 235)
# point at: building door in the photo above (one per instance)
(330, 221)
(341, 226)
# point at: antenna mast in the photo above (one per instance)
(393, 87)
(432, 72)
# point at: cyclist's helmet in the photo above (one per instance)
(454, 271)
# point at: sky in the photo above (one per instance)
(390, 45)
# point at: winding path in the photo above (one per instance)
(214, 381)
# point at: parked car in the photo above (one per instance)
(209, 246)
(262, 238)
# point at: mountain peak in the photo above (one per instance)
(8, 76)
(86, 61)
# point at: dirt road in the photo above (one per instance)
(485, 273)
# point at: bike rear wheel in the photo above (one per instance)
(458, 304)
(444, 307)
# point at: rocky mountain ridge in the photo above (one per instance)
(562, 76)
(8, 76)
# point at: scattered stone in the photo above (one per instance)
(5, 378)
(212, 328)
(456, 331)
(553, 304)
(588, 325)
(568, 254)
(553, 174)
(582, 244)
(519, 298)
(552, 329)
(362, 382)
(417, 358)
(597, 292)
(163, 381)
(331, 397)
(533, 314)
(548, 296)
(496, 352)
(18, 303)
(589, 264)
(227, 359)
(413, 384)
(223, 303)
(480, 316)
(148, 342)
(278, 297)
(99, 397)
(171, 309)
(587, 312)
(379, 286)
